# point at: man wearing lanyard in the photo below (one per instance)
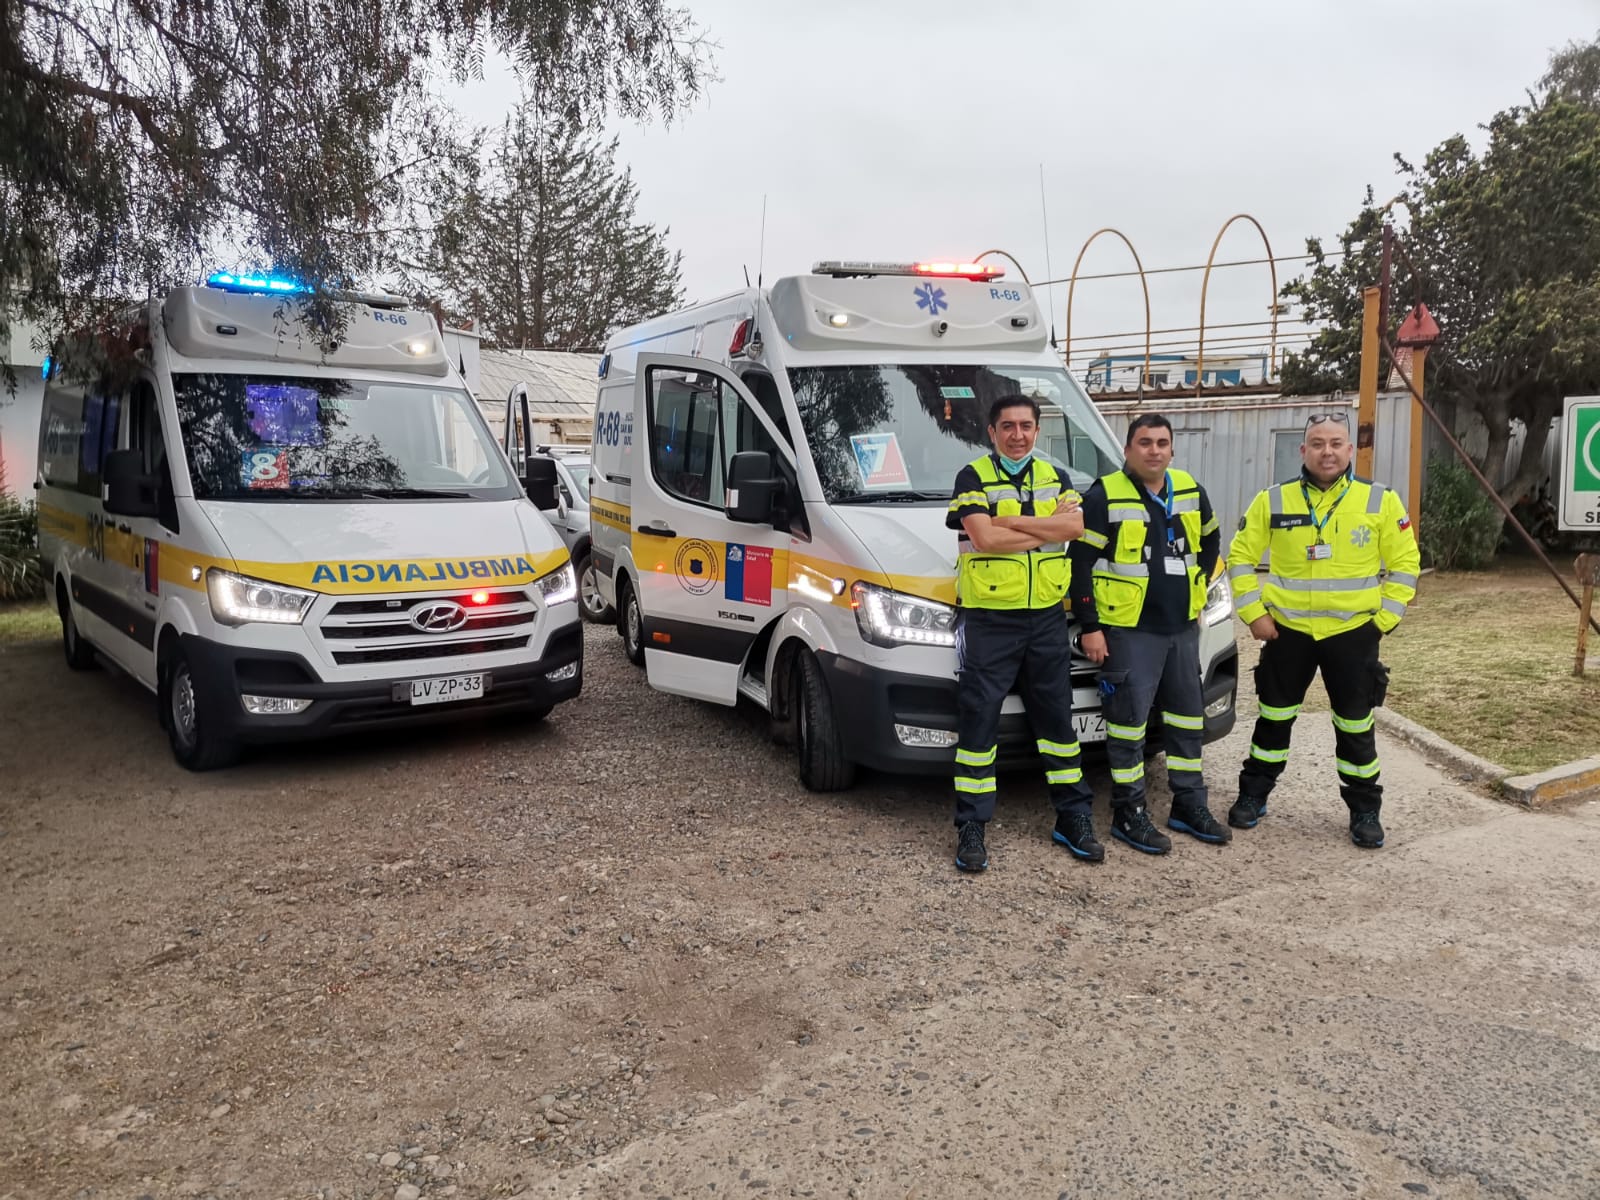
(1341, 567)
(1139, 575)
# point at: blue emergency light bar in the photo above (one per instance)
(229, 282)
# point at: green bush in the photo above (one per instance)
(19, 550)
(1460, 525)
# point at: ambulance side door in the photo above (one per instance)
(711, 574)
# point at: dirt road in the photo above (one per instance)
(624, 954)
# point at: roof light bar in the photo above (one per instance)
(950, 270)
(254, 281)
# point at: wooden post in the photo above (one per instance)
(1367, 414)
(1419, 369)
(1588, 569)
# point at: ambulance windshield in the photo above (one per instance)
(901, 433)
(257, 437)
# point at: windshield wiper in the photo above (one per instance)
(893, 496)
(292, 494)
(404, 493)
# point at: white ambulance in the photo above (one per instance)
(281, 542)
(771, 476)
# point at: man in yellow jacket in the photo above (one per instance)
(1013, 516)
(1341, 567)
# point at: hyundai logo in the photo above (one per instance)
(439, 616)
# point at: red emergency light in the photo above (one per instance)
(977, 271)
(980, 272)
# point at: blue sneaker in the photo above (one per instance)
(1365, 830)
(1247, 811)
(971, 854)
(1196, 820)
(1131, 823)
(1075, 831)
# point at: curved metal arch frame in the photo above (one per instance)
(1144, 283)
(1205, 283)
(1012, 258)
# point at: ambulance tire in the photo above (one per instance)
(630, 622)
(79, 654)
(591, 603)
(183, 705)
(819, 742)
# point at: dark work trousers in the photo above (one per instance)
(996, 648)
(1145, 669)
(1356, 682)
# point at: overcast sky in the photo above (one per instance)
(894, 130)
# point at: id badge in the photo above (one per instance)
(1175, 566)
(1319, 551)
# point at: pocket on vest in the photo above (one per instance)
(1002, 581)
(1116, 597)
(1055, 572)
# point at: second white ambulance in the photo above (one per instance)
(771, 476)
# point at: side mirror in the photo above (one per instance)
(751, 488)
(541, 483)
(128, 491)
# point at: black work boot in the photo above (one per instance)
(1195, 819)
(1365, 830)
(1075, 831)
(1247, 811)
(1131, 823)
(971, 854)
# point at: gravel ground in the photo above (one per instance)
(625, 954)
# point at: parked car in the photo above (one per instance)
(571, 521)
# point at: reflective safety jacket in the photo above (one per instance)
(1122, 572)
(1335, 557)
(1025, 579)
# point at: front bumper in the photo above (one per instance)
(870, 701)
(226, 672)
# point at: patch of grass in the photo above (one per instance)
(28, 622)
(1484, 659)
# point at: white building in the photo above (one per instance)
(561, 391)
(19, 410)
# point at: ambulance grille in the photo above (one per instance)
(381, 630)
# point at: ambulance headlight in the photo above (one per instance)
(560, 586)
(238, 600)
(1219, 602)
(889, 618)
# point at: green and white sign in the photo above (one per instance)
(1580, 464)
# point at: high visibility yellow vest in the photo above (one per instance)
(1366, 568)
(1122, 573)
(1029, 578)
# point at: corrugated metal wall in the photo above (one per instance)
(1239, 445)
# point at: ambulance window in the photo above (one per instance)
(765, 389)
(92, 442)
(144, 427)
(684, 455)
(740, 428)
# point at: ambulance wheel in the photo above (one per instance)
(818, 740)
(590, 600)
(184, 708)
(630, 623)
(79, 654)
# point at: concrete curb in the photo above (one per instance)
(1570, 781)
(1464, 762)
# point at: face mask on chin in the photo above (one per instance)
(1014, 465)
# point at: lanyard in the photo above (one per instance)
(1311, 509)
(1166, 500)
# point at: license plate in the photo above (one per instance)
(1090, 727)
(442, 690)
